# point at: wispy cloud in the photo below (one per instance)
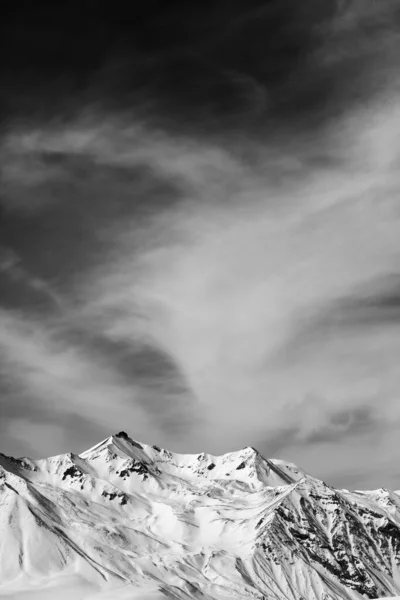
(45, 376)
(11, 265)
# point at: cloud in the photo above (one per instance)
(48, 380)
(11, 265)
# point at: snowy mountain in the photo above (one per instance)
(127, 520)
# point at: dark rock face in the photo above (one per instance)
(135, 467)
(322, 527)
(112, 495)
(72, 472)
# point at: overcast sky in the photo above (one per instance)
(200, 231)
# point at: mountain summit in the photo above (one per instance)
(137, 520)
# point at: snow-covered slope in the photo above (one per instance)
(127, 520)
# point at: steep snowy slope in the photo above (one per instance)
(127, 520)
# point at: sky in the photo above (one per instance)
(200, 230)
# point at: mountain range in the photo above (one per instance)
(126, 520)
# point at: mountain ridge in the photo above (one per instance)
(124, 513)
